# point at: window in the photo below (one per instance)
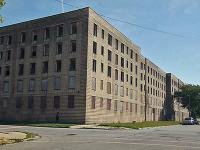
(122, 48)
(94, 47)
(59, 48)
(60, 31)
(7, 71)
(101, 102)
(102, 34)
(33, 51)
(30, 102)
(116, 59)
(35, 37)
(131, 68)
(6, 86)
(74, 28)
(70, 101)
(1, 40)
(102, 67)
(127, 50)
(126, 77)
(19, 86)
(95, 30)
(58, 66)
(45, 50)
(18, 102)
(94, 84)
(22, 53)
(116, 74)
(43, 102)
(131, 94)
(109, 40)
(121, 106)
(108, 87)
(56, 102)
(23, 37)
(126, 106)
(126, 91)
(115, 105)
(122, 62)
(108, 104)
(102, 50)
(136, 70)
(9, 40)
(31, 84)
(32, 68)
(131, 80)
(93, 102)
(101, 85)
(47, 33)
(21, 69)
(126, 64)
(116, 89)
(72, 65)
(45, 67)
(135, 82)
(73, 45)
(122, 76)
(122, 91)
(94, 65)
(131, 54)
(109, 71)
(57, 83)
(109, 55)
(44, 84)
(1, 55)
(116, 44)
(136, 57)
(8, 55)
(72, 82)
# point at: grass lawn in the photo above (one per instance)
(36, 124)
(139, 125)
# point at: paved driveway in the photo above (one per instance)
(164, 138)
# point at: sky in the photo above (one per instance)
(179, 55)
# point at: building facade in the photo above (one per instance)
(79, 65)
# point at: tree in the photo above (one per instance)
(2, 3)
(190, 98)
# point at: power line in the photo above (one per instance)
(134, 24)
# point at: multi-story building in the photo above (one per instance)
(79, 65)
(174, 109)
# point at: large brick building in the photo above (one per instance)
(79, 65)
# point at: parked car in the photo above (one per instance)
(196, 122)
(188, 121)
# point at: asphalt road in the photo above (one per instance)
(163, 138)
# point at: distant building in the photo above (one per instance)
(79, 65)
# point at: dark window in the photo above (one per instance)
(136, 70)
(135, 82)
(93, 102)
(122, 47)
(1, 40)
(109, 40)
(1, 55)
(56, 102)
(60, 31)
(58, 66)
(102, 34)
(47, 33)
(21, 69)
(73, 45)
(131, 80)
(59, 48)
(30, 102)
(102, 50)
(116, 59)
(46, 50)
(45, 67)
(43, 102)
(35, 37)
(109, 55)
(102, 67)
(7, 71)
(122, 76)
(94, 65)
(34, 51)
(116, 74)
(95, 30)
(18, 102)
(108, 104)
(122, 62)
(94, 47)
(32, 68)
(57, 83)
(131, 54)
(22, 53)
(8, 55)
(72, 65)
(9, 40)
(127, 49)
(109, 71)
(136, 57)
(116, 44)
(74, 28)
(23, 37)
(70, 101)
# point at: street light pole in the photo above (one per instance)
(189, 106)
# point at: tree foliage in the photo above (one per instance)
(190, 98)
(2, 3)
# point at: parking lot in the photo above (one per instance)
(162, 138)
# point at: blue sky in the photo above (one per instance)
(173, 54)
